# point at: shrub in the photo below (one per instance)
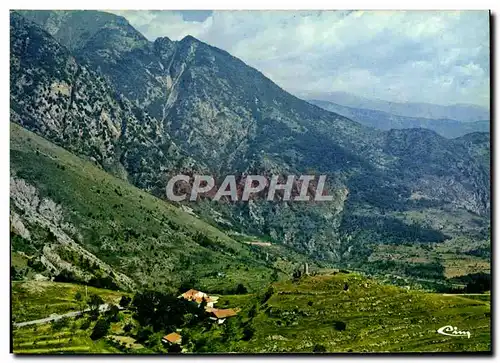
(113, 313)
(241, 289)
(128, 328)
(60, 323)
(85, 325)
(339, 325)
(319, 348)
(125, 301)
(100, 329)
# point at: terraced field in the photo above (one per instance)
(45, 339)
(33, 300)
(350, 313)
(342, 312)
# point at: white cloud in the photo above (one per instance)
(421, 56)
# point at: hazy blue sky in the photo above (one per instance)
(417, 56)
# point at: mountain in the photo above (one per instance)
(73, 221)
(459, 112)
(386, 121)
(145, 110)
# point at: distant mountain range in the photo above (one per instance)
(385, 121)
(459, 112)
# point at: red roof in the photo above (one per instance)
(190, 293)
(173, 338)
(223, 313)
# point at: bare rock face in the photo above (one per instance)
(17, 226)
(46, 214)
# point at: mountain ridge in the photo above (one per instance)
(189, 105)
(385, 121)
(460, 112)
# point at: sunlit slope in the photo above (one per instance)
(153, 242)
(350, 313)
(32, 300)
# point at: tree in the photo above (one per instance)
(65, 276)
(248, 331)
(319, 348)
(241, 289)
(94, 302)
(85, 325)
(79, 299)
(339, 325)
(161, 311)
(269, 292)
(125, 301)
(143, 333)
(100, 329)
(128, 328)
(231, 331)
(113, 313)
(253, 311)
(203, 306)
(174, 348)
(58, 324)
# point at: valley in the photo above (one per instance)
(392, 244)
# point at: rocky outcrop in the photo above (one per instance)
(45, 214)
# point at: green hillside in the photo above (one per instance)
(140, 237)
(317, 314)
(33, 300)
(65, 340)
(336, 312)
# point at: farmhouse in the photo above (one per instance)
(220, 315)
(172, 338)
(198, 297)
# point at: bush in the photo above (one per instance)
(144, 333)
(339, 325)
(100, 329)
(60, 323)
(94, 302)
(240, 289)
(125, 301)
(319, 348)
(112, 313)
(85, 325)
